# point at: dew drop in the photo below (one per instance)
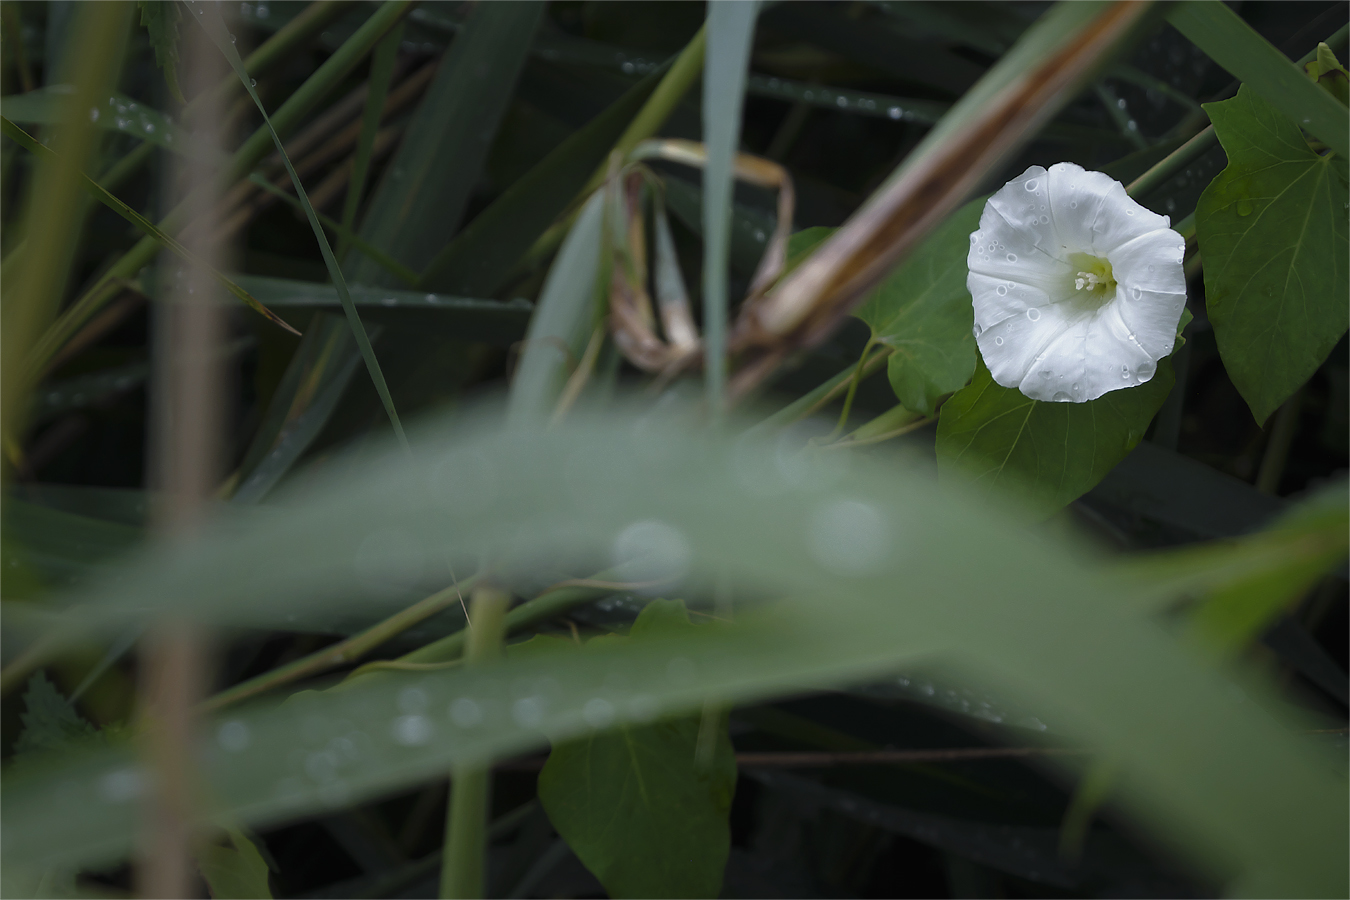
(1001, 291)
(894, 112)
(598, 712)
(465, 713)
(1150, 268)
(1046, 373)
(998, 341)
(93, 114)
(1129, 212)
(1073, 204)
(1045, 220)
(1136, 293)
(1034, 314)
(233, 736)
(1125, 373)
(976, 330)
(1032, 184)
(1012, 257)
(1061, 397)
(149, 127)
(412, 731)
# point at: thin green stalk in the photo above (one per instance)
(381, 74)
(343, 652)
(1093, 790)
(1173, 163)
(285, 119)
(1277, 449)
(464, 861)
(808, 403)
(853, 387)
(275, 49)
(54, 206)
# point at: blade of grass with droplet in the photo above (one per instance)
(288, 116)
(381, 74)
(421, 198)
(117, 112)
(731, 30)
(209, 18)
(344, 233)
(1247, 56)
(1232, 787)
(95, 190)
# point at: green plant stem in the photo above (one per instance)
(686, 69)
(275, 49)
(381, 74)
(1173, 163)
(284, 120)
(462, 870)
(1277, 449)
(809, 403)
(1093, 789)
(342, 652)
(853, 387)
(552, 602)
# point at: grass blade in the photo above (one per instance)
(1247, 56)
(209, 18)
(731, 29)
(300, 103)
(54, 208)
(422, 196)
(344, 233)
(95, 190)
(381, 74)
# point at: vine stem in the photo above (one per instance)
(462, 873)
(853, 388)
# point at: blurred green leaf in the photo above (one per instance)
(874, 564)
(731, 33)
(161, 23)
(633, 804)
(924, 312)
(564, 319)
(1044, 455)
(1263, 69)
(421, 199)
(237, 872)
(64, 546)
(1272, 230)
(50, 723)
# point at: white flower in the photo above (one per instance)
(1078, 289)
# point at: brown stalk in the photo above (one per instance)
(808, 304)
(186, 437)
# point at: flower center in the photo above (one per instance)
(1094, 277)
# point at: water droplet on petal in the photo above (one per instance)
(998, 341)
(1045, 220)
(1001, 291)
(1061, 397)
(976, 330)
(1034, 314)
(1076, 388)
(93, 115)
(1031, 185)
(1136, 293)
(1012, 257)
(1073, 204)
(1129, 212)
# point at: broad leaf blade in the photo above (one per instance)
(924, 312)
(634, 805)
(1272, 230)
(1042, 454)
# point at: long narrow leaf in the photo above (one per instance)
(731, 27)
(1247, 56)
(883, 567)
(381, 74)
(209, 18)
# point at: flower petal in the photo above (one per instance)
(995, 299)
(1092, 357)
(1119, 218)
(1152, 288)
(1076, 200)
(1012, 242)
(1012, 347)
